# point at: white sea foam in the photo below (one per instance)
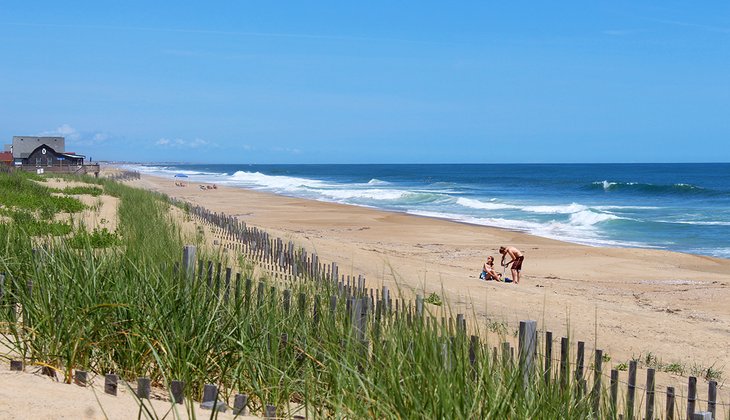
(566, 209)
(477, 204)
(275, 182)
(590, 218)
(694, 222)
(579, 233)
(376, 181)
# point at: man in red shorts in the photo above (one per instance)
(516, 258)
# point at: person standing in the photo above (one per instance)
(516, 259)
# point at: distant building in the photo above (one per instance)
(6, 158)
(43, 152)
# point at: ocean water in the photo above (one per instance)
(679, 207)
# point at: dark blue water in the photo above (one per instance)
(680, 207)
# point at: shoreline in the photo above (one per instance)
(637, 300)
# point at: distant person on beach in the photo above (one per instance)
(516, 259)
(488, 272)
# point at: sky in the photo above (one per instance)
(370, 82)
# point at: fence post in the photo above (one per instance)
(419, 306)
(548, 357)
(143, 387)
(239, 404)
(526, 352)
(110, 384)
(614, 391)
(178, 391)
(81, 377)
(712, 398)
(649, 414)
(473, 345)
(287, 301)
(579, 361)
(189, 261)
(669, 410)
(630, 397)
(564, 363)
(597, 372)
(691, 396)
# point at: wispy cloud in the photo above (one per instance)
(75, 137)
(229, 33)
(289, 150)
(709, 28)
(183, 144)
(619, 32)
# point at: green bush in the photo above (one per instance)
(98, 238)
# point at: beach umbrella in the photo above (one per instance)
(180, 176)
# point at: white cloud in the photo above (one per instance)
(293, 151)
(183, 144)
(75, 137)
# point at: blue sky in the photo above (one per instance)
(362, 82)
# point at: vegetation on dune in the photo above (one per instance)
(131, 310)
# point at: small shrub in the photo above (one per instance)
(94, 191)
(434, 299)
(99, 238)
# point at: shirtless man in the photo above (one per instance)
(516, 258)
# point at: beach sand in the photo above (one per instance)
(628, 302)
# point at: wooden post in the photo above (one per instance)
(386, 300)
(81, 378)
(564, 363)
(712, 398)
(227, 287)
(473, 346)
(178, 391)
(527, 349)
(210, 399)
(16, 365)
(704, 415)
(506, 351)
(631, 394)
(579, 361)
(189, 260)
(597, 373)
(614, 391)
(239, 404)
(270, 411)
(669, 410)
(691, 396)
(110, 384)
(260, 296)
(333, 304)
(649, 413)
(143, 387)
(287, 301)
(548, 357)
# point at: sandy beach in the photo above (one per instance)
(629, 302)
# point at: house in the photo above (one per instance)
(6, 158)
(43, 152)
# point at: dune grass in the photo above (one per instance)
(129, 309)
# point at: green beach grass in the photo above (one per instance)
(119, 303)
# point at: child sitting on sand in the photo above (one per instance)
(488, 272)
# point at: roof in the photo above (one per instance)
(72, 155)
(23, 146)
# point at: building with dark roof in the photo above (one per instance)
(43, 152)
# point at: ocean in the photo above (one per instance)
(678, 207)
